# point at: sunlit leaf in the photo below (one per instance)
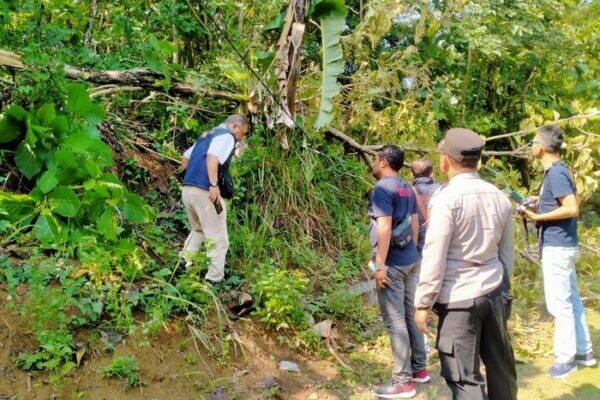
(64, 201)
(107, 223)
(48, 181)
(46, 229)
(27, 162)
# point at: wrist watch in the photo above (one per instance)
(423, 308)
(214, 184)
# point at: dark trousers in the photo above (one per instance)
(467, 332)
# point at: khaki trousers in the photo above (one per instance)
(206, 224)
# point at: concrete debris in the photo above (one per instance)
(289, 366)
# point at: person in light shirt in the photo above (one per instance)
(201, 195)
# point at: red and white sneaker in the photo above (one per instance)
(396, 390)
(421, 376)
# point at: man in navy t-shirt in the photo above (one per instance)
(393, 200)
(556, 218)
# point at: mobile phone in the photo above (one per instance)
(218, 207)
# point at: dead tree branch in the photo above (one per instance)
(557, 122)
(87, 37)
(364, 151)
(110, 89)
(287, 59)
(11, 59)
(135, 77)
(146, 78)
(370, 150)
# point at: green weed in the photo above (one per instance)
(125, 368)
(281, 294)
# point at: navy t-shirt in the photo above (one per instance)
(557, 183)
(393, 197)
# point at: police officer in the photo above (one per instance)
(469, 240)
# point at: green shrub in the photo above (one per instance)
(281, 294)
(56, 348)
(125, 368)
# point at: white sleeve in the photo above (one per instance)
(188, 152)
(221, 147)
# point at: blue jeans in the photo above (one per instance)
(396, 303)
(571, 335)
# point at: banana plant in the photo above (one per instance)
(331, 15)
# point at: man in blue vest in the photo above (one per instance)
(201, 195)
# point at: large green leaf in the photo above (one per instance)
(79, 142)
(107, 223)
(135, 209)
(332, 16)
(80, 104)
(46, 229)
(12, 125)
(27, 161)
(275, 23)
(48, 181)
(16, 206)
(64, 201)
(103, 153)
(60, 125)
(46, 114)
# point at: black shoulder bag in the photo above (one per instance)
(225, 181)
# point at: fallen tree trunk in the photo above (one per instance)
(135, 77)
(146, 78)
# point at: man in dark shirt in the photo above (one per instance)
(556, 217)
(425, 187)
(396, 274)
(422, 172)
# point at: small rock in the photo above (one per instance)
(289, 366)
(218, 394)
(325, 329)
(111, 338)
(245, 298)
(269, 383)
(362, 287)
(372, 299)
(313, 396)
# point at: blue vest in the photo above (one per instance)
(196, 173)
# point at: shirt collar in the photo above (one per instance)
(465, 175)
(555, 163)
(423, 179)
(225, 126)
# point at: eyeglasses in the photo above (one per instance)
(532, 142)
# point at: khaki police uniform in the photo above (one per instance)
(469, 245)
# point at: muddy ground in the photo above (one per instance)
(173, 366)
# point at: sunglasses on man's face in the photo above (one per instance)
(532, 142)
